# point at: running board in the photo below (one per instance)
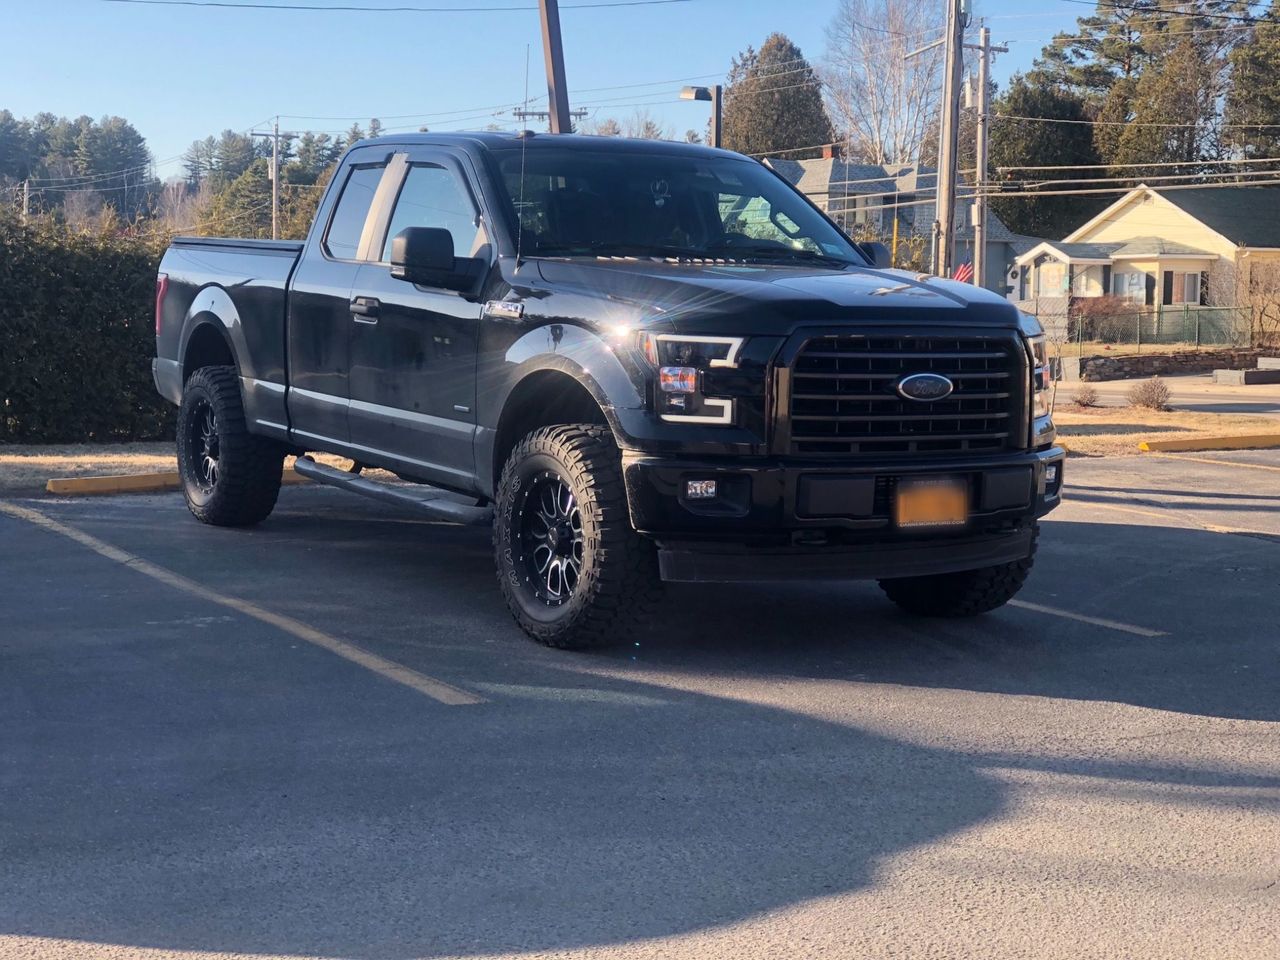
(420, 498)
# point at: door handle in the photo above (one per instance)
(365, 309)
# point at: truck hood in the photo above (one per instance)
(763, 299)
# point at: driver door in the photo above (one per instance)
(413, 348)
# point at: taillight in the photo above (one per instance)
(162, 288)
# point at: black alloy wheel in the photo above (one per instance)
(551, 540)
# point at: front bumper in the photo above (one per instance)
(794, 519)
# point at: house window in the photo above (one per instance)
(1129, 284)
(1051, 279)
(1186, 288)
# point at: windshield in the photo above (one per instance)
(575, 202)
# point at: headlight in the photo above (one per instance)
(680, 362)
(1041, 383)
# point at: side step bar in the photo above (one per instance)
(417, 497)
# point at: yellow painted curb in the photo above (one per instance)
(1257, 441)
(133, 483)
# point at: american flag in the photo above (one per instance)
(963, 273)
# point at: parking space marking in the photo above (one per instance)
(437, 690)
(1172, 513)
(1221, 463)
(1084, 618)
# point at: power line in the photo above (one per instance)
(1125, 166)
(1202, 15)
(1134, 123)
(1253, 184)
(227, 4)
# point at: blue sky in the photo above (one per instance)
(180, 73)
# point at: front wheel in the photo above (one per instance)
(230, 477)
(963, 594)
(572, 570)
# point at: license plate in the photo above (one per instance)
(943, 502)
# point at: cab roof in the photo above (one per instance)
(502, 141)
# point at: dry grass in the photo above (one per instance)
(1112, 431)
(24, 470)
(1097, 349)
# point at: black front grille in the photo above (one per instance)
(844, 395)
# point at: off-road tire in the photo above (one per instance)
(618, 585)
(964, 594)
(248, 467)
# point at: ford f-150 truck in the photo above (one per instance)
(640, 361)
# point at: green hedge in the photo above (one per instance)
(77, 334)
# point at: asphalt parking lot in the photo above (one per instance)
(325, 737)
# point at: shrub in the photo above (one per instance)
(1152, 394)
(1085, 396)
(77, 335)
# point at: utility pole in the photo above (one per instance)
(717, 114)
(26, 200)
(275, 179)
(985, 51)
(275, 175)
(945, 225)
(553, 53)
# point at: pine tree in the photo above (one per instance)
(1179, 93)
(1252, 115)
(1031, 143)
(773, 103)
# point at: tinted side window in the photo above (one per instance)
(343, 238)
(435, 197)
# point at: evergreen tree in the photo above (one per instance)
(243, 207)
(375, 127)
(1032, 143)
(234, 153)
(1252, 115)
(1179, 92)
(773, 102)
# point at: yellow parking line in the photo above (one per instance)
(435, 689)
(1224, 463)
(1173, 514)
(1084, 618)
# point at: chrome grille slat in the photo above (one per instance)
(843, 397)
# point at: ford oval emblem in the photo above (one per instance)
(925, 387)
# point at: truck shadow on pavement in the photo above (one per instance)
(223, 796)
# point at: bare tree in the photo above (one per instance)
(608, 127)
(180, 207)
(886, 105)
(642, 126)
(81, 209)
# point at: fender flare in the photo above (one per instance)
(212, 307)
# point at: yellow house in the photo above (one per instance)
(1163, 247)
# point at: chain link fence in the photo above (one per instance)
(1079, 330)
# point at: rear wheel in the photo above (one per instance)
(964, 594)
(230, 477)
(573, 571)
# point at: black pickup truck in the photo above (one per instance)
(640, 361)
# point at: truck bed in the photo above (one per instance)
(239, 286)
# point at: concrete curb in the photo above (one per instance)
(1259, 441)
(133, 483)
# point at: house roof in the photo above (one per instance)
(1155, 247)
(1077, 252)
(1244, 216)
(1247, 216)
(1139, 247)
(829, 179)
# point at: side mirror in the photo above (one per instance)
(877, 253)
(423, 255)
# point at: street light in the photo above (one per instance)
(714, 96)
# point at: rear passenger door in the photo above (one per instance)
(413, 363)
(319, 304)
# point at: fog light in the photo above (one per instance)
(700, 489)
(678, 379)
(1051, 476)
